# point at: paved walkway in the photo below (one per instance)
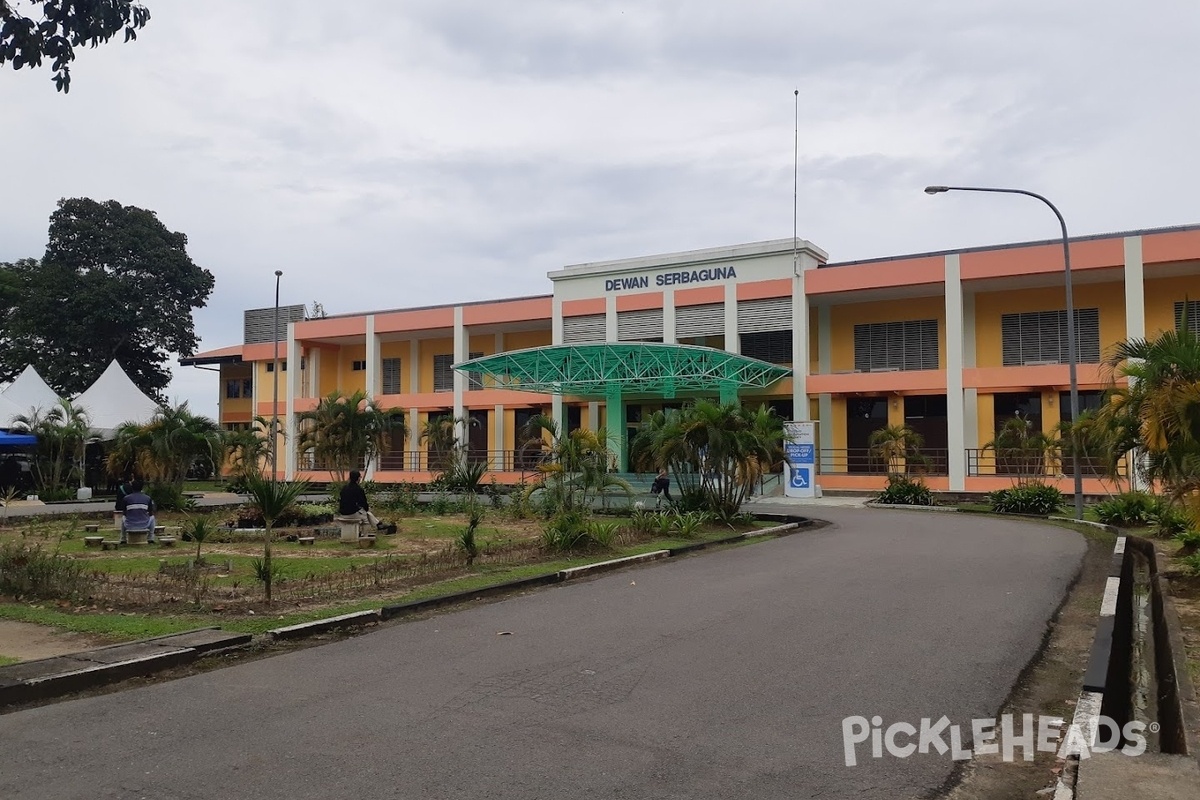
(723, 675)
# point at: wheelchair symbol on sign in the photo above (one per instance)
(799, 478)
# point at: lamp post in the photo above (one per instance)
(275, 394)
(1071, 346)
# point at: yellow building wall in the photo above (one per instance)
(1161, 295)
(843, 318)
(235, 409)
(986, 410)
(814, 350)
(839, 423)
(521, 340)
(989, 306)
(349, 381)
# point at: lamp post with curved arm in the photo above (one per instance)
(1071, 345)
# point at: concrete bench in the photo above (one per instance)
(350, 528)
(306, 540)
(366, 541)
(93, 541)
(110, 545)
(137, 538)
(93, 528)
(166, 541)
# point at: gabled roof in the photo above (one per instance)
(29, 391)
(222, 355)
(9, 410)
(114, 399)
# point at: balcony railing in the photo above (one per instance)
(863, 461)
(424, 461)
(1038, 464)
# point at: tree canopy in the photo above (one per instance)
(65, 25)
(114, 283)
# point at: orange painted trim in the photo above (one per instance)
(761, 290)
(908, 272)
(264, 409)
(423, 320)
(236, 416)
(334, 326)
(1064, 483)
(1178, 246)
(914, 381)
(422, 401)
(701, 296)
(1090, 376)
(1097, 254)
(305, 403)
(509, 398)
(639, 301)
(264, 351)
(512, 311)
(585, 307)
(875, 483)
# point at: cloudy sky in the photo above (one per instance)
(386, 154)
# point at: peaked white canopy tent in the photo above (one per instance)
(30, 392)
(114, 399)
(9, 411)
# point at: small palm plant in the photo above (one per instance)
(198, 529)
(272, 499)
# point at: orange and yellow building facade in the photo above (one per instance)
(950, 343)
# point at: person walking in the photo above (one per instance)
(352, 502)
(662, 484)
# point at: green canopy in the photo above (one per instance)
(634, 368)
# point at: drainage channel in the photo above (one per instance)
(1143, 667)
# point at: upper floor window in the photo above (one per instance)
(358, 366)
(391, 376)
(895, 346)
(1193, 315)
(233, 389)
(475, 379)
(283, 365)
(1040, 337)
(772, 346)
(443, 373)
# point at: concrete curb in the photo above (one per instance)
(302, 629)
(613, 564)
(898, 507)
(46, 678)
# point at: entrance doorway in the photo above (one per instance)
(864, 416)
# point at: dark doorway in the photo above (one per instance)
(1011, 457)
(926, 414)
(477, 435)
(574, 418)
(529, 453)
(393, 451)
(864, 416)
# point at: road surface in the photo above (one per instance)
(721, 675)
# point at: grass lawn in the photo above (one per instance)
(230, 566)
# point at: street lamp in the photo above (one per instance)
(1071, 348)
(275, 394)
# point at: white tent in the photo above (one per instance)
(29, 392)
(114, 399)
(8, 410)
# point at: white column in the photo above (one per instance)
(556, 322)
(970, 396)
(413, 441)
(955, 415)
(314, 373)
(373, 364)
(498, 432)
(610, 318)
(825, 400)
(1135, 308)
(499, 342)
(824, 340)
(291, 391)
(414, 366)
(556, 337)
(668, 331)
(594, 415)
(800, 360)
(460, 379)
(732, 343)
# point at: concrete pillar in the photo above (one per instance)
(825, 431)
(616, 428)
(461, 353)
(291, 383)
(610, 318)
(373, 363)
(732, 342)
(413, 441)
(668, 331)
(800, 360)
(955, 412)
(501, 461)
(414, 366)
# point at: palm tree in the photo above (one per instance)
(271, 498)
(573, 471)
(440, 435)
(164, 449)
(62, 434)
(898, 446)
(715, 453)
(1022, 451)
(346, 432)
(245, 450)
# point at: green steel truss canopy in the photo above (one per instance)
(633, 368)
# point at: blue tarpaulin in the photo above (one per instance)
(17, 439)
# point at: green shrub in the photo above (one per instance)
(643, 521)
(1171, 520)
(466, 540)
(267, 571)
(689, 524)
(572, 531)
(1190, 541)
(1027, 498)
(30, 572)
(169, 497)
(1128, 510)
(902, 490)
(603, 534)
(1192, 565)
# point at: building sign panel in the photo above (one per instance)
(800, 459)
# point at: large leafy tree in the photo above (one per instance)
(114, 283)
(164, 448)
(346, 432)
(64, 25)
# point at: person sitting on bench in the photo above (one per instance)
(352, 502)
(139, 512)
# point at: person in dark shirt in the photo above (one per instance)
(139, 512)
(662, 484)
(352, 502)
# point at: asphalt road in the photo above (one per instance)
(721, 675)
